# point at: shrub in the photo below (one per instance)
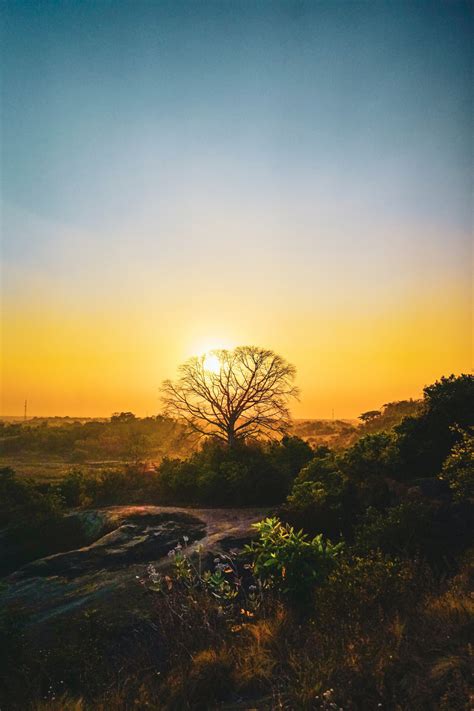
(458, 469)
(35, 522)
(252, 474)
(24, 504)
(325, 499)
(289, 456)
(320, 500)
(424, 442)
(73, 488)
(436, 531)
(288, 560)
(359, 583)
(371, 457)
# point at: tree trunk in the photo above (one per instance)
(231, 438)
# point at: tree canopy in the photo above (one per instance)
(233, 395)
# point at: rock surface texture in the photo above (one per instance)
(121, 541)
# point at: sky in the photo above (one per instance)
(178, 176)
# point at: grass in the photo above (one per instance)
(375, 635)
(52, 470)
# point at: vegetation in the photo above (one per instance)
(288, 560)
(458, 467)
(122, 438)
(354, 593)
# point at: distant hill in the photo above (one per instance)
(389, 415)
(339, 434)
(331, 433)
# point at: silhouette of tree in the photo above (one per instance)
(233, 395)
(370, 415)
(123, 417)
(425, 441)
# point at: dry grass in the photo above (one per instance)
(350, 649)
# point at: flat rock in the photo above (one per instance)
(121, 542)
(139, 538)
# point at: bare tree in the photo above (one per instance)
(233, 395)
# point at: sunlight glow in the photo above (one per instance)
(212, 363)
(204, 347)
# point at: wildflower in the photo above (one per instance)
(252, 587)
(185, 539)
(171, 553)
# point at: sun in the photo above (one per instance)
(212, 363)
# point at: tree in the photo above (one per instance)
(233, 395)
(370, 415)
(120, 417)
(458, 469)
(425, 441)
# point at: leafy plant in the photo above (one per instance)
(458, 469)
(289, 560)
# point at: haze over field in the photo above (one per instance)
(183, 176)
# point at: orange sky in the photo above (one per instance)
(92, 362)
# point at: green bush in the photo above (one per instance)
(320, 500)
(371, 457)
(252, 474)
(73, 488)
(24, 504)
(326, 499)
(288, 560)
(361, 583)
(458, 469)
(34, 520)
(425, 441)
(434, 530)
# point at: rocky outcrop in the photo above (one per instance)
(138, 538)
(117, 543)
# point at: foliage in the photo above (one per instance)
(390, 415)
(289, 560)
(34, 520)
(250, 474)
(336, 434)
(329, 495)
(227, 580)
(370, 415)
(73, 488)
(124, 437)
(373, 456)
(23, 504)
(458, 468)
(322, 498)
(433, 530)
(425, 441)
(378, 632)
